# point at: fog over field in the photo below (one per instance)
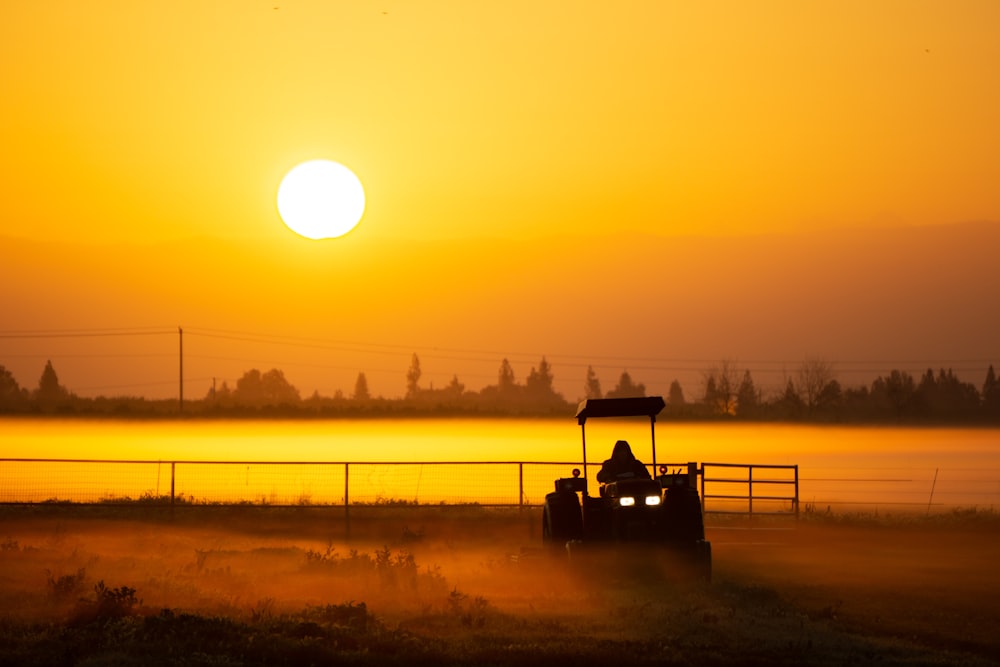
(473, 584)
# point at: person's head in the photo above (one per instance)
(622, 451)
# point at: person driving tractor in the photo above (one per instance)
(622, 465)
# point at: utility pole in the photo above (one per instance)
(180, 339)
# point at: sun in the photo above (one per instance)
(321, 199)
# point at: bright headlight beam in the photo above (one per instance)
(652, 501)
(626, 502)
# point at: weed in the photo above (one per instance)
(65, 585)
(263, 610)
(350, 615)
(116, 601)
(107, 604)
(470, 612)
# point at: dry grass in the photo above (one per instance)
(446, 585)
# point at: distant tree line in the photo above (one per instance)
(811, 394)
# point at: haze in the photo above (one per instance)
(648, 187)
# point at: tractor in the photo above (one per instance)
(634, 508)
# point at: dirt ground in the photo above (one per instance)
(823, 590)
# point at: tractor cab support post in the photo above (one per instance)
(645, 406)
(652, 436)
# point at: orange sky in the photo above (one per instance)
(514, 155)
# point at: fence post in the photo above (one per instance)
(347, 500)
(796, 492)
(173, 477)
(520, 487)
(704, 510)
(750, 490)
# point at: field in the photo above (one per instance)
(451, 585)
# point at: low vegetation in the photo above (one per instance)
(255, 586)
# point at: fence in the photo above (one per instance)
(276, 483)
(748, 489)
(774, 490)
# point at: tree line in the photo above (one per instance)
(810, 394)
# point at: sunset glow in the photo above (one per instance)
(649, 187)
(321, 199)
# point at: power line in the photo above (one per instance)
(86, 333)
(633, 364)
(157, 383)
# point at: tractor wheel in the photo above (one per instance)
(562, 519)
(682, 511)
(703, 560)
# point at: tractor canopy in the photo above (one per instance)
(642, 406)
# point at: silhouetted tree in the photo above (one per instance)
(675, 396)
(747, 400)
(900, 390)
(831, 398)
(709, 398)
(592, 386)
(12, 397)
(812, 377)
(361, 388)
(945, 397)
(455, 388)
(538, 388)
(721, 388)
(991, 394)
(790, 404)
(505, 378)
(270, 388)
(49, 390)
(626, 388)
(223, 395)
(413, 377)
(539, 382)
(858, 403)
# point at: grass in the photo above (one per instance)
(256, 586)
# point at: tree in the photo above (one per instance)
(626, 388)
(413, 377)
(945, 397)
(721, 386)
(539, 383)
(746, 396)
(710, 398)
(991, 394)
(675, 396)
(49, 390)
(279, 390)
(455, 388)
(12, 397)
(361, 388)
(222, 395)
(812, 377)
(505, 378)
(790, 404)
(270, 388)
(831, 398)
(900, 389)
(591, 386)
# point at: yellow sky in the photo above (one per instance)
(170, 119)
(146, 122)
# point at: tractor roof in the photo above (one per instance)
(643, 406)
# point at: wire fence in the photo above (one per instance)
(726, 488)
(278, 483)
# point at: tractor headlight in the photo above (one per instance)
(626, 501)
(652, 501)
